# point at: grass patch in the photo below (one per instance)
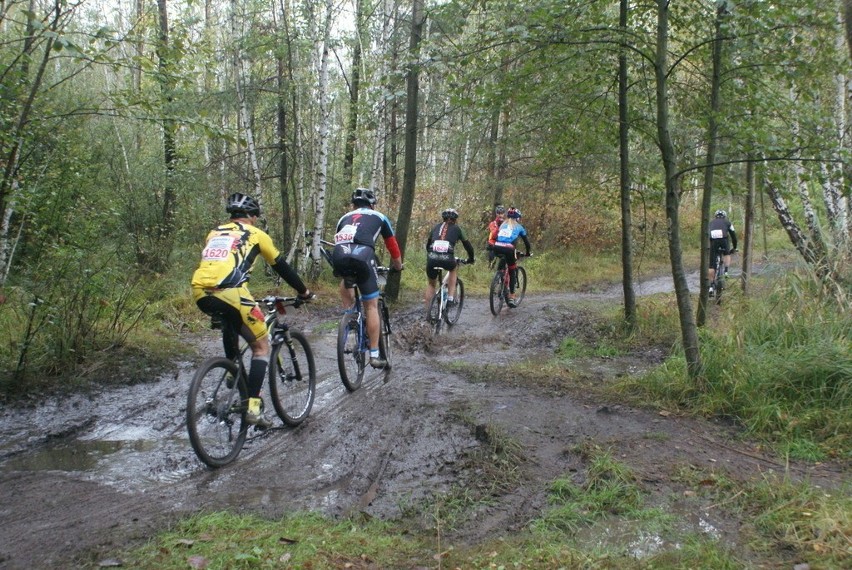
(778, 363)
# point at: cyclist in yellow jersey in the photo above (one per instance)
(220, 285)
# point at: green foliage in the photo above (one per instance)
(61, 325)
(779, 363)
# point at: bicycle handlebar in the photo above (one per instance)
(271, 301)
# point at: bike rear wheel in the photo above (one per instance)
(350, 357)
(496, 297)
(216, 413)
(435, 318)
(520, 285)
(718, 281)
(451, 315)
(292, 379)
(385, 336)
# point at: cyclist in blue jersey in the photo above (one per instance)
(504, 246)
(354, 256)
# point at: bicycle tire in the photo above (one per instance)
(452, 314)
(385, 336)
(520, 285)
(718, 281)
(435, 318)
(350, 357)
(496, 296)
(292, 379)
(216, 413)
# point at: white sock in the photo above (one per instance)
(374, 353)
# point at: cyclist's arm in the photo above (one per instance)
(394, 251)
(733, 238)
(468, 247)
(289, 275)
(526, 242)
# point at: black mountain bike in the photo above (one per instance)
(439, 309)
(217, 402)
(719, 281)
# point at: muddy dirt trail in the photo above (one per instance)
(82, 476)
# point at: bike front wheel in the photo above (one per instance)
(454, 311)
(385, 335)
(496, 297)
(215, 412)
(520, 285)
(351, 359)
(292, 379)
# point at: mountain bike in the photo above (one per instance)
(217, 402)
(718, 284)
(500, 286)
(353, 343)
(439, 309)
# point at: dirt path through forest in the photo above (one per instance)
(82, 476)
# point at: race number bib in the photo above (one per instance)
(218, 248)
(440, 246)
(346, 234)
(717, 234)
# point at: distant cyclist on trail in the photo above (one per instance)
(504, 247)
(220, 285)
(354, 256)
(440, 252)
(720, 229)
(493, 228)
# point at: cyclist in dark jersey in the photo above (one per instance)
(354, 256)
(720, 230)
(440, 252)
(220, 286)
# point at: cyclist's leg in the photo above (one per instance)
(451, 281)
(431, 283)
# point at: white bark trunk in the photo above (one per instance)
(322, 134)
(245, 116)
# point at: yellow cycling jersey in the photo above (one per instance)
(229, 255)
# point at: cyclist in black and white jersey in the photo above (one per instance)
(354, 256)
(440, 252)
(721, 230)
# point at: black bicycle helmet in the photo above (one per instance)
(513, 213)
(450, 214)
(721, 214)
(499, 210)
(242, 204)
(363, 197)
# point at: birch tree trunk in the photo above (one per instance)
(624, 178)
(245, 116)
(321, 167)
(689, 331)
(748, 230)
(710, 160)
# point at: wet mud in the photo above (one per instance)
(81, 476)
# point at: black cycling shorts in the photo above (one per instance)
(444, 261)
(357, 263)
